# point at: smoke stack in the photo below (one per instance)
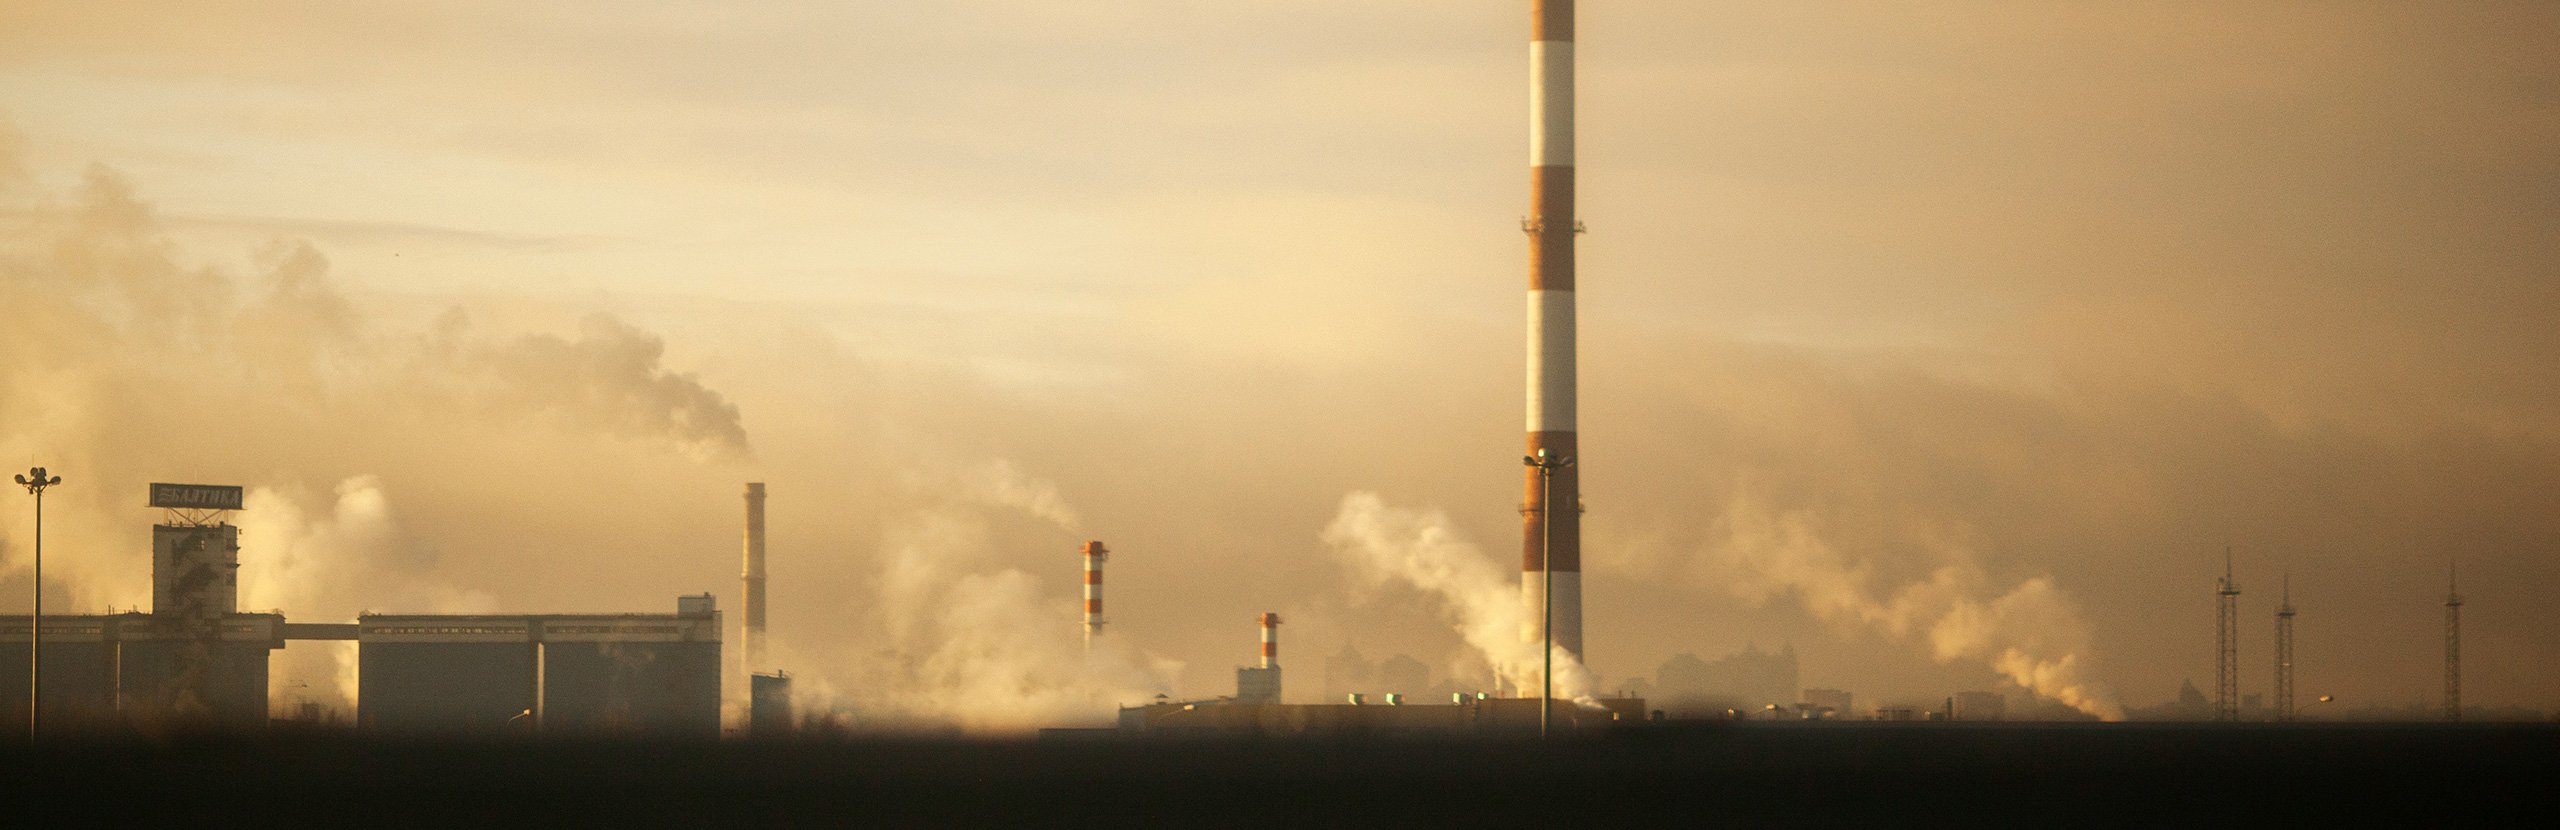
(1094, 554)
(1261, 684)
(751, 641)
(1270, 641)
(1552, 534)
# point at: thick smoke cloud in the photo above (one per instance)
(113, 305)
(135, 360)
(608, 377)
(125, 362)
(332, 556)
(968, 642)
(1423, 553)
(2032, 633)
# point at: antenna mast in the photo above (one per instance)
(2227, 662)
(2452, 645)
(2284, 653)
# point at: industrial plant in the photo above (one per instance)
(194, 661)
(1256, 710)
(195, 658)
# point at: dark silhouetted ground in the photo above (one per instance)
(1758, 774)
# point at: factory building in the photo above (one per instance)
(1827, 703)
(106, 670)
(195, 571)
(1979, 706)
(1256, 710)
(654, 675)
(1465, 716)
(769, 712)
(195, 662)
(444, 674)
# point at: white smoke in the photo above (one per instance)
(1479, 598)
(972, 644)
(997, 483)
(123, 358)
(2032, 633)
(609, 377)
(313, 553)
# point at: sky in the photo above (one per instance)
(1950, 344)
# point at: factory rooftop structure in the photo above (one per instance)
(635, 674)
(195, 661)
(1465, 715)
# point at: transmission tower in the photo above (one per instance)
(2284, 653)
(2227, 664)
(2452, 647)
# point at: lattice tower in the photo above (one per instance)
(2284, 654)
(2227, 662)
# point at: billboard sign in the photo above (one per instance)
(195, 496)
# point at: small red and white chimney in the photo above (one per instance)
(1270, 641)
(1094, 554)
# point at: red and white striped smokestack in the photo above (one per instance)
(751, 637)
(1551, 226)
(1094, 553)
(1270, 641)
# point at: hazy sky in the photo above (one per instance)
(1898, 322)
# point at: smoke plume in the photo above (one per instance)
(1420, 550)
(332, 557)
(998, 483)
(124, 362)
(2031, 633)
(971, 642)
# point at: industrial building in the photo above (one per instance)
(769, 713)
(1827, 703)
(195, 662)
(655, 675)
(1979, 706)
(106, 670)
(1464, 715)
(1256, 710)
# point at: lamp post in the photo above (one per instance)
(1546, 582)
(35, 481)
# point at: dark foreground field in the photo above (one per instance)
(1818, 774)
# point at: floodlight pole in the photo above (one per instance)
(1546, 583)
(35, 481)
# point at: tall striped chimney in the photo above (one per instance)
(1270, 641)
(1094, 554)
(1551, 227)
(751, 638)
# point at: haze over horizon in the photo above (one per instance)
(1914, 337)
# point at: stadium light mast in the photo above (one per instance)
(1546, 466)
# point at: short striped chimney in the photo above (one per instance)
(1270, 641)
(1094, 554)
(1551, 227)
